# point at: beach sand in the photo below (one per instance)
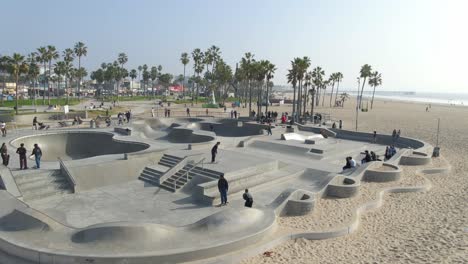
(423, 227)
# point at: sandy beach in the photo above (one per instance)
(424, 227)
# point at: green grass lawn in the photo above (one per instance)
(29, 102)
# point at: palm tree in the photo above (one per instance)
(374, 81)
(198, 58)
(33, 72)
(184, 58)
(343, 97)
(153, 76)
(307, 84)
(3, 68)
(68, 57)
(60, 69)
(140, 68)
(42, 57)
(292, 79)
(52, 54)
(121, 59)
(338, 79)
(133, 75)
(366, 71)
(246, 67)
(317, 75)
(270, 70)
(16, 67)
(80, 51)
(146, 77)
(333, 80)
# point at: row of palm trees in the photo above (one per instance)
(311, 85)
(18, 66)
(374, 80)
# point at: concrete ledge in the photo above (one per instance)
(301, 203)
(387, 172)
(343, 187)
(415, 158)
(8, 182)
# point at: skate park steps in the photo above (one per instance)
(181, 179)
(35, 186)
(258, 175)
(169, 160)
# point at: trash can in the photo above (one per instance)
(92, 124)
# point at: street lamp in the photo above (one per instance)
(357, 101)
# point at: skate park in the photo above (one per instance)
(147, 192)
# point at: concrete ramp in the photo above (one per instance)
(19, 221)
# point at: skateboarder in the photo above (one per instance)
(37, 152)
(214, 152)
(21, 151)
(223, 187)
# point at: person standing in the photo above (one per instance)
(37, 152)
(341, 124)
(235, 114)
(3, 128)
(223, 188)
(269, 129)
(248, 198)
(21, 151)
(35, 123)
(4, 153)
(375, 137)
(188, 112)
(152, 111)
(214, 152)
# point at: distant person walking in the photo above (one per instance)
(214, 152)
(341, 124)
(398, 135)
(247, 198)
(235, 114)
(37, 153)
(152, 111)
(3, 128)
(223, 188)
(35, 123)
(21, 151)
(206, 111)
(375, 137)
(128, 114)
(5, 156)
(188, 112)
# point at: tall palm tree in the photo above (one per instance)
(307, 84)
(33, 72)
(68, 57)
(121, 59)
(52, 54)
(270, 71)
(333, 81)
(184, 59)
(292, 79)
(3, 69)
(140, 68)
(16, 67)
(317, 74)
(343, 97)
(246, 67)
(338, 79)
(80, 51)
(60, 69)
(42, 57)
(198, 59)
(303, 64)
(133, 75)
(146, 77)
(366, 71)
(374, 81)
(153, 76)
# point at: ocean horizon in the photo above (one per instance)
(420, 97)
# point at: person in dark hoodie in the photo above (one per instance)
(223, 188)
(214, 152)
(248, 198)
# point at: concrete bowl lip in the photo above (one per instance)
(161, 253)
(115, 137)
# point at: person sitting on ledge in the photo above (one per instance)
(348, 164)
(248, 198)
(367, 158)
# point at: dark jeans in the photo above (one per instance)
(23, 162)
(223, 196)
(213, 157)
(248, 203)
(5, 159)
(38, 161)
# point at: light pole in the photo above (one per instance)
(357, 102)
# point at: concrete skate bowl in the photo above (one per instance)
(229, 128)
(154, 127)
(75, 145)
(185, 135)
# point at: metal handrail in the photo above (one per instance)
(186, 174)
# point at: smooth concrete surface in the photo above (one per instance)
(73, 145)
(114, 217)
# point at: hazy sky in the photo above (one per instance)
(416, 44)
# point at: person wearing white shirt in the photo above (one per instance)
(3, 128)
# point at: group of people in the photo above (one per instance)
(390, 151)
(223, 188)
(340, 124)
(22, 152)
(368, 157)
(39, 125)
(234, 114)
(167, 112)
(77, 121)
(122, 117)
